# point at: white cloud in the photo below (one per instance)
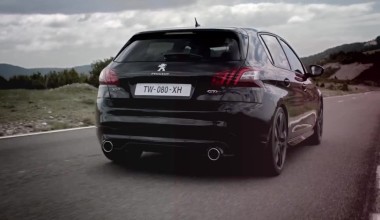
(67, 40)
(299, 19)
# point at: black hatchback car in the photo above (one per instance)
(213, 91)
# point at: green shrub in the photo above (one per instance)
(331, 87)
(56, 125)
(344, 87)
(88, 121)
(88, 101)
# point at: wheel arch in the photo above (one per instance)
(280, 104)
(287, 115)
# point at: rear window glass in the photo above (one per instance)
(182, 47)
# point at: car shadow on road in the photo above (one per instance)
(177, 164)
(196, 166)
(189, 165)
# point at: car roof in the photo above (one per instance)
(184, 29)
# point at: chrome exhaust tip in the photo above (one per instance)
(214, 153)
(107, 146)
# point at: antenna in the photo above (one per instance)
(196, 23)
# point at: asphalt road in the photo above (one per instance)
(65, 176)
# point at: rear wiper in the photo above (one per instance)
(182, 56)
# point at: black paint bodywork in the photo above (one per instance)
(231, 118)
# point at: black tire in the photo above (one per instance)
(122, 156)
(316, 138)
(275, 151)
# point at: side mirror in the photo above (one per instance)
(315, 71)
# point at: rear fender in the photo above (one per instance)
(279, 103)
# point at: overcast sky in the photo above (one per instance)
(46, 33)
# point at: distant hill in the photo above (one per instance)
(323, 57)
(7, 70)
(356, 62)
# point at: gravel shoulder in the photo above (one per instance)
(332, 89)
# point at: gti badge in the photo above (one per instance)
(162, 67)
(211, 91)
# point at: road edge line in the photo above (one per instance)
(45, 132)
(376, 216)
(336, 96)
(373, 210)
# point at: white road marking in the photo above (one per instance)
(340, 101)
(46, 132)
(378, 177)
(340, 96)
(374, 216)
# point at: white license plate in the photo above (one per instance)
(163, 89)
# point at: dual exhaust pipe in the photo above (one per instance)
(107, 146)
(213, 153)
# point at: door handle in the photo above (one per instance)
(304, 87)
(286, 82)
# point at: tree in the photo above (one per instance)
(83, 78)
(37, 81)
(52, 80)
(97, 67)
(3, 83)
(20, 81)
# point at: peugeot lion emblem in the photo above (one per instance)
(162, 67)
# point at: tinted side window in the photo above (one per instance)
(295, 63)
(276, 51)
(257, 52)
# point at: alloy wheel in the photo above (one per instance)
(279, 140)
(320, 123)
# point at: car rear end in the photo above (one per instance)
(182, 89)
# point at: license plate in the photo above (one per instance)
(163, 89)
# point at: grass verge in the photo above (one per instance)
(24, 111)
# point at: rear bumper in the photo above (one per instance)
(228, 125)
(162, 144)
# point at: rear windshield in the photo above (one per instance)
(210, 46)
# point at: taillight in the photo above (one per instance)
(243, 77)
(108, 77)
